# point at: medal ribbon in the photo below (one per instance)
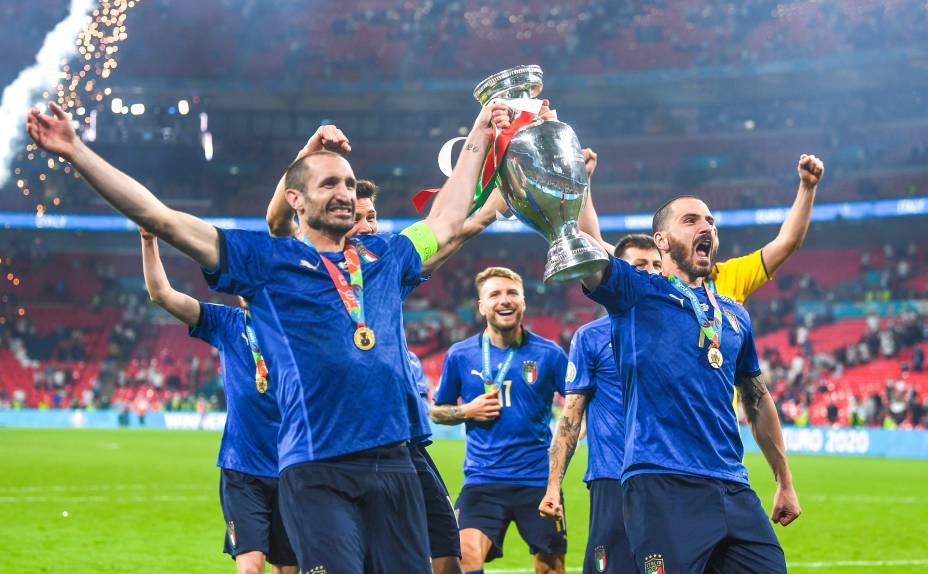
(487, 373)
(260, 366)
(711, 329)
(352, 295)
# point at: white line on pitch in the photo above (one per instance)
(94, 487)
(102, 499)
(863, 499)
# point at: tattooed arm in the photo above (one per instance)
(765, 426)
(484, 408)
(562, 449)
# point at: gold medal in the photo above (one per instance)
(261, 384)
(715, 358)
(364, 338)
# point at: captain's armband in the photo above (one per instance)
(423, 239)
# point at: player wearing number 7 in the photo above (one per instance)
(506, 377)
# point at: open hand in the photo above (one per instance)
(811, 169)
(54, 133)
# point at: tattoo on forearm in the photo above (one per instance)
(566, 439)
(447, 414)
(752, 391)
(472, 147)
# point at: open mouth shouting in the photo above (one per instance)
(702, 251)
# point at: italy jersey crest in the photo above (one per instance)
(530, 372)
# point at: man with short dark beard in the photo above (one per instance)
(680, 349)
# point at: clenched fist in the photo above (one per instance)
(811, 169)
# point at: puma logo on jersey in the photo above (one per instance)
(309, 265)
(476, 372)
(680, 299)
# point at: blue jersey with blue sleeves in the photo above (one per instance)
(591, 371)
(249, 440)
(513, 448)
(334, 398)
(678, 408)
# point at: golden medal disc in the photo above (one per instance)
(715, 358)
(261, 384)
(364, 338)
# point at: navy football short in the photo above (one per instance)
(253, 521)
(689, 524)
(607, 548)
(491, 507)
(444, 537)
(362, 512)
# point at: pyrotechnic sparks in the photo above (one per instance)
(78, 56)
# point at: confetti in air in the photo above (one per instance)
(78, 55)
(18, 96)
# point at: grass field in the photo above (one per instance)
(147, 501)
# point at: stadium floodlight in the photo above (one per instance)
(137, 109)
(116, 105)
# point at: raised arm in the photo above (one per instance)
(449, 211)
(472, 227)
(765, 426)
(181, 305)
(589, 220)
(796, 225)
(563, 445)
(192, 236)
(280, 215)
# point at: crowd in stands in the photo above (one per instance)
(380, 39)
(840, 349)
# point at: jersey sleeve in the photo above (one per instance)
(215, 324)
(739, 277)
(409, 261)
(581, 365)
(748, 364)
(449, 386)
(560, 370)
(244, 266)
(622, 287)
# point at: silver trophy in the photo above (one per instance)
(544, 180)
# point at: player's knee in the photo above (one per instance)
(250, 564)
(549, 563)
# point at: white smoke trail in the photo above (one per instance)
(43, 75)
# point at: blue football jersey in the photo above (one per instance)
(591, 371)
(334, 398)
(421, 428)
(249, 440)
(512, 449)
(678, 408)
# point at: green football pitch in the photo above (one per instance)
(147, 501)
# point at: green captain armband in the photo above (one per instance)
(423, 239)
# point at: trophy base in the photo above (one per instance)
(573, 256)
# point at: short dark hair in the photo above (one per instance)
(635, 240)
(659, 222)
(298, 171)
(366, 189)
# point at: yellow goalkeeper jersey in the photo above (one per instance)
(737, 278)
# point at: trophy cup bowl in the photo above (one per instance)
(543, 179)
